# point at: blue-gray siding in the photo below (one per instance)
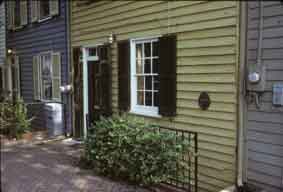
(2, 33)
(265, 125)
(49, 35)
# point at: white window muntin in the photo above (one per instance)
(135, 107)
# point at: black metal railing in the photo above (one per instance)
(185, 178)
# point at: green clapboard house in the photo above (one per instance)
(206, 35)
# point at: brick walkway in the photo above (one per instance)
(51, 167)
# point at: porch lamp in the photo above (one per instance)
(111, 38)
(10, 51)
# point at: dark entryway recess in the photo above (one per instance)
(99, 85)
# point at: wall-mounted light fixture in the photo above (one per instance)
(10, 51)
(112, 38)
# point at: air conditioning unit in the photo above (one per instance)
(54, 119)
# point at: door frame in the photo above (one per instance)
(86, 58)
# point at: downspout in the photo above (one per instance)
(241, 133)
(240, 164)
(259, 50)
(69, 94)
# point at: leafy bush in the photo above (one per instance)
(128, 149)
(13, 118)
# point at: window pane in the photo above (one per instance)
(47, 89)
(156, 83)
(140, 85)
(139, 51)
(92, 52)
(46, 72)
(140, 98)
(44, 9)
(147, 66)
(147, 49)
(155, 49)
(155, 65)
(156, 99)
(139, 67)
(148, 83)
(17, 13)
(148, 98)
(46, 66)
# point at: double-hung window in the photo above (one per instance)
(145, 76)
(42, 10)
(47, 76)
(17, 14)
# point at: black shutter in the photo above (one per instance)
(124, 75)
(104, 53)
(167, 54)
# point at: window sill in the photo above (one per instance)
(44, 19)
(47, 101)
(18, 28)
(145, 113)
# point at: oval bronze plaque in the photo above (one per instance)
(204, 100)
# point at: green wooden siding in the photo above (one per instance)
(207, 56)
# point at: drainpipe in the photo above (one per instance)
(259, 50)
(241, 133)
(241, 155)
(69, 81)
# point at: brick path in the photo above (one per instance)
(51, 167)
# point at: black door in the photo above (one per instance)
(99, 85)
(94, 90)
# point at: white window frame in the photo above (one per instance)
(40, 70)
(151, 111)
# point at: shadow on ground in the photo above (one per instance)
(51, 167)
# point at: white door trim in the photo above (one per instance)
(86, 58)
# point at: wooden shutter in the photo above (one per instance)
(11, 14)
(104, 53)
(54, 7)
(167, 54)
(17, 76)
(36, 77)
(1, 82)
(124, 75)
(24, 12)
(56, 76)
(34, 10)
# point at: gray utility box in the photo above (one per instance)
(54, 119)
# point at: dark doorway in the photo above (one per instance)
(99, 85)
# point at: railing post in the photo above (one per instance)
(196, 162)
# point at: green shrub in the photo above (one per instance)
(13, 118)
(128, 149)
